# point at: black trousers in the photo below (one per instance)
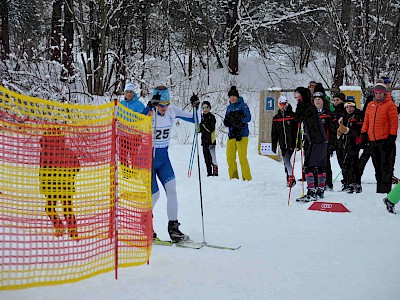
(207, 159)
(351, 171)
(364, 157)
(383, 161)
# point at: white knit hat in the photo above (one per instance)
(129, 87)
(282, 99)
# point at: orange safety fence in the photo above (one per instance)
(75, 190)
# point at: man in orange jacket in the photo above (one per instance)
(380, 131)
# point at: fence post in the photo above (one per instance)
(352, 93)
(268, 105)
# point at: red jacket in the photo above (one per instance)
(381, 119)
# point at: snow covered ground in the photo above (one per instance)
(288, 252)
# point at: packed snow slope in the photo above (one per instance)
(288, 252)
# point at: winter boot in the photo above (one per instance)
(357, 188)
(345, 187)
(350, 189)
(320, 193)
(58, 228)
(154, 235)
(291, 181)
(310, 196)
(215, 170)
(175, 234)
(72, 228)
(389, 206)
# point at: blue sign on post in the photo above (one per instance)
(270, 105)
(350, 98)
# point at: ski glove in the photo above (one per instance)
(154, 101)
(235, 119)
(392, 138)
(194, 100)
(364, 140)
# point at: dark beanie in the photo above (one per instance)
(207, 103)
(340, 96)
(233, 92)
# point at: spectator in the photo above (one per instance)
(236, 118)
(317, 145)
(349, 132)
(339, 112)
(380, 130)
(208, 141)
(129, 145)
(329, 122)
(59, 166)
(284, 131)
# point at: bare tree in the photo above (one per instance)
(5, 30)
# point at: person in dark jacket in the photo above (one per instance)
(349, 132)
(236, 118)
(329, 122)
(316, 150)
(339, 112)
(283, 132)
(207, 130)
(59, 166)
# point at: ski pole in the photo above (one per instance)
(301, 166)
(198, 166)
(337, 176)
(294, 162)
(192, 153)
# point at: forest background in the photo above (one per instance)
(86, 50)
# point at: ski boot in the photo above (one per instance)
(389, 206)
(154, 235)
(310, 196)
(175, 234)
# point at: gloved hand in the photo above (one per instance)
(194, 100)
(235, 118)
(338, 133)
(364, 140)
(154, 101)
(343, 129)
(392, 138)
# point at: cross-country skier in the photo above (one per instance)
(163, 120)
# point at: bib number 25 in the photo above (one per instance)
(162, 134)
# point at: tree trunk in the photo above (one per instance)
(55, 42)
(144, 39)
(5, 30)
(68, 32)
(232, 18)
(340, 58)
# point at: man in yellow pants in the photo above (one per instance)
(236, 119)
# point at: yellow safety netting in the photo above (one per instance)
(75, 190)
